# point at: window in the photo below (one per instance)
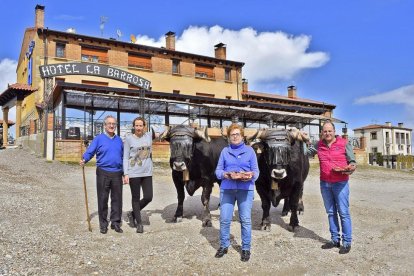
(374, 150)
(227, 74)
(373, 136)
(397, 138)
(94, 55)
(387, 137)
(60, 50)
(176, 91)
(205, 95)
(175, 66)
(204, 71)
(139, 61)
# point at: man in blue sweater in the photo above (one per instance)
(108, 148)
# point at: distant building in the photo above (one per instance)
(385, 139)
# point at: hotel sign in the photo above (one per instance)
(89, 69)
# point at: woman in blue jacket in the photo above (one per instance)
(238, 170)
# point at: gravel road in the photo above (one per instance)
(43, 230)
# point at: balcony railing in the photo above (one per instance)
(96, 59)
(205, 75)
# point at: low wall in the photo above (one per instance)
(69, 150)
(33, 143)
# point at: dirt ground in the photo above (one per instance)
(43, 230)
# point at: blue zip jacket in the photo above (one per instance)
(239, 158)
(109, 152)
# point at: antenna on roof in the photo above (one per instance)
(119, 34)
(133, 38)
(102, 25)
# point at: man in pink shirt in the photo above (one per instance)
(337, 162)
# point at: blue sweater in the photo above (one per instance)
(242, 158)
(108, 152)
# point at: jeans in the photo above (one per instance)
(336, 200)
(244, 199)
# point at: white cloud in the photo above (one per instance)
(267, 55)
(403, 95)
(7, 73)
(8, 76)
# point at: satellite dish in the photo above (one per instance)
(133, 38)
(118, 33)
(71, 30)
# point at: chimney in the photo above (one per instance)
(400, 124)
(388, 124)
(170, 40)
(220, 51)
(245, 85)
(292, 92)
(39, 16)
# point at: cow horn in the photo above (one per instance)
(299, 135)
(203, 134)
(166, 133)
(251, 138)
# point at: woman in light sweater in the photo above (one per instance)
(138, 169)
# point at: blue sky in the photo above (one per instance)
(357, 55)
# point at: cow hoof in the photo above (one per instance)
(207, 223)
(265, 226)
(177, 219)
(292, 228)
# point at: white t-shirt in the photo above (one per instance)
(137, 155)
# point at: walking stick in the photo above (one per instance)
(86, 200)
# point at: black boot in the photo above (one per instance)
(140, 228)
(221, 252)
(245, 255)
(331, 244)
(131, 218)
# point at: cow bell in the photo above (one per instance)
(275, 185)
(186, 175)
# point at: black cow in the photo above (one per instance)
(193, 161)
(283, 169)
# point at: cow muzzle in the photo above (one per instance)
(278, 173)
(179, 166)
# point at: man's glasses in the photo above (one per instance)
(235, 135)
(111, 124)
